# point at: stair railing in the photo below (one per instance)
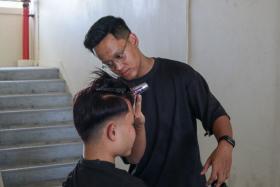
(25, 30)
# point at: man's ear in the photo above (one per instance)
(111, 131)
(133, 39)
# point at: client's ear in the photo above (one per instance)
(111, 131)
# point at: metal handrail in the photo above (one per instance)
(25, 30)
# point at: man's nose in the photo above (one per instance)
(118, 65)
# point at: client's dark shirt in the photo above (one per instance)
(96, 173)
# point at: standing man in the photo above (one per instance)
(177, 96)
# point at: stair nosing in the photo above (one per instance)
(40, 183)
(35, 95)
(36, 127)
(27, 68)
(31, 80)
(47, 165)
(30, 146)
(30, 125)
(34, 110)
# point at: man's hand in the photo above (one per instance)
(139, 146)
(220, 160)
(139, 118)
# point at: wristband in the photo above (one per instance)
(230, 140)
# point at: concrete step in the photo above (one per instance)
(30, 125)
(35, 116)
(31, 86)
(34, 133)
(23, 176)
(49, 100)
(28, 73)
(29, 156)
(53, 183)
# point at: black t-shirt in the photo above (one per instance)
(96, 173)
(177, 96)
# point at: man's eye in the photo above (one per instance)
(109, 63)
(119, 56)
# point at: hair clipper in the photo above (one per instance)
(139, 89)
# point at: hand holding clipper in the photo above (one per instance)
(139, 89)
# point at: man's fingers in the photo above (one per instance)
(205, 167)
(212, 178)
(138, 102)
(139, 118)
(227, 175)
(221, 179)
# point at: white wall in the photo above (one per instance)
(236, 46)
(10, 36)
(160, 25)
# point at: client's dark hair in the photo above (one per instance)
(105, 25)
(102, 100)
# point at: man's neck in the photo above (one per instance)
(146, 65)
(97, 153)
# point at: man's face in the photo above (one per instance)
(120, 55)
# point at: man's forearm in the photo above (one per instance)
(222, 127)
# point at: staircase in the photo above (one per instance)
(38, 143)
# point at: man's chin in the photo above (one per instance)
(128, 76)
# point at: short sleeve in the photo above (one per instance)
(203, 103)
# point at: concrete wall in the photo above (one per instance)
(236, 46)
(10, 36)
(63, 25)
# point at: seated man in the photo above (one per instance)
(109, 124)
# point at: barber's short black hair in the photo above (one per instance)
(105, 25)
(102, 100)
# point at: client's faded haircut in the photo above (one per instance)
(103, 99)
